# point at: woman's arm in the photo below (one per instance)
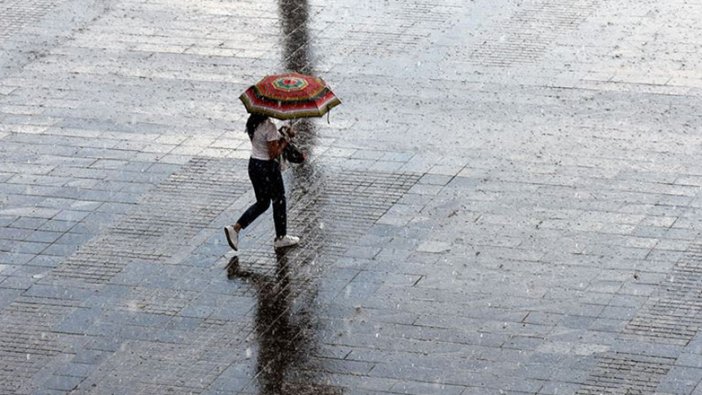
(276, 147)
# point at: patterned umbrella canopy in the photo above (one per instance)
(289, 96)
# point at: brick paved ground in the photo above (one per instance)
(508, 200)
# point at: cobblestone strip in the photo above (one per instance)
(675, 316)
(671, 318)
(525, 36)
(346, 205)
(621, 373)
(165, 301)
(406, 27)
(15, 14)
(27, 342)
(175, 211)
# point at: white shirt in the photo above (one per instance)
(265, 132)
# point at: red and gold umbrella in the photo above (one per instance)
(289, 96)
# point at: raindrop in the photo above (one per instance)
(248, 353)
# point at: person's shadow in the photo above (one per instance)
(285, 332)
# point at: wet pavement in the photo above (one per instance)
(507, 201)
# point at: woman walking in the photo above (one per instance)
(264, 171)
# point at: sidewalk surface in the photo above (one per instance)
(507, 201)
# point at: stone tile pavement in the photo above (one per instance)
(506, 202)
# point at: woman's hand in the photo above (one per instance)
(287, 131)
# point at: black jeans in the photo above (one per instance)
(268, 186)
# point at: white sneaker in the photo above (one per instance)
(286, 241)
(232, 237)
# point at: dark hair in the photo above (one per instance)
(253, 122)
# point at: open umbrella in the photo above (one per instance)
(289, 96)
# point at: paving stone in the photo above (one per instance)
(28, 223)
(434, 247)
(62, 383)
(25, 247)
(18, 283)
(424, 388)
(90, 357)
(15, 258)
(554, 388)
(57, 226)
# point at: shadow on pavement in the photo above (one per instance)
(284, 328)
